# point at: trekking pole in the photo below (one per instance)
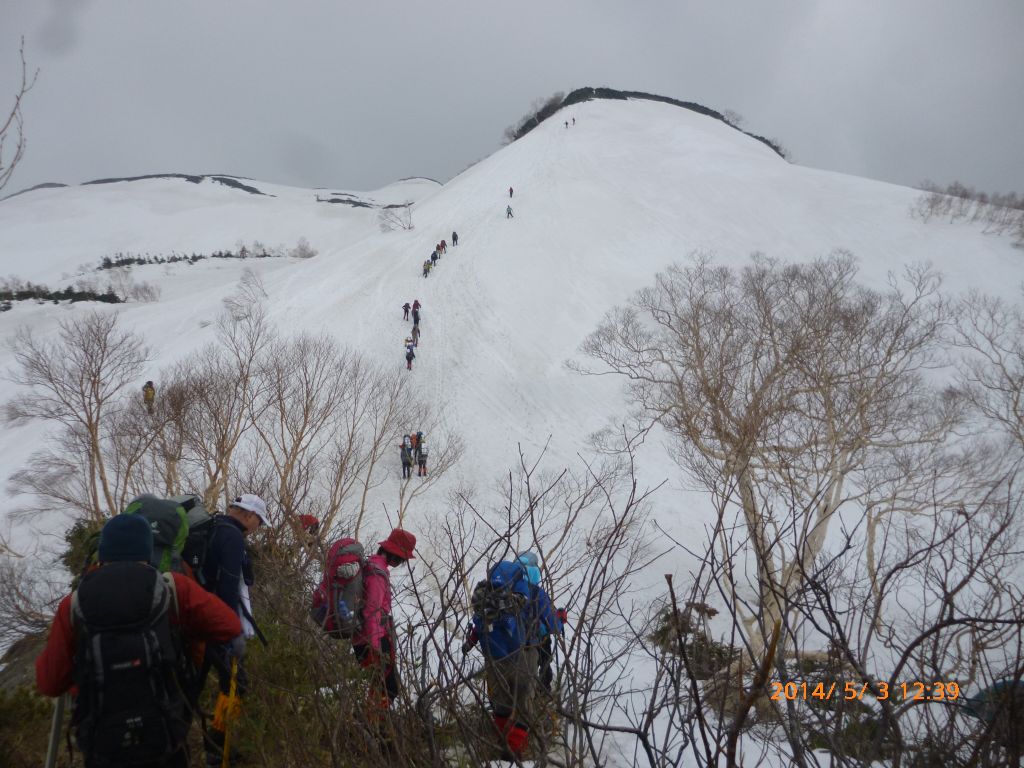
(229, 716)
(58, 719)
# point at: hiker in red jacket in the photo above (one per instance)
(108, 598)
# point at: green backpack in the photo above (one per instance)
(169, 522)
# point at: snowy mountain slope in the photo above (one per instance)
(599, 208)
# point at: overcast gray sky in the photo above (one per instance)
(358, 94)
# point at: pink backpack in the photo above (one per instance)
(338, 599)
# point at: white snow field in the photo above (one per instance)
(599, 208)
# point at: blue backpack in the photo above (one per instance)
(501, 610)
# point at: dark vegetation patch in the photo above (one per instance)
(40, 293)
(228, 181)
(344, 198)
(234, 183)
(44, 185)
(580, 95)
(138, 260)
(354, 202)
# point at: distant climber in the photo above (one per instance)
(444, 247)
(405, 311)
(415, 316)
(508, 212)
(510, 191)
(409, 357)
(149, 396)
(455, 238)
(406, 458)
(416, 306)
(421, 458)
(434, 257)
(567, 125)
(426, 271)
(574, 121)
(415, 335)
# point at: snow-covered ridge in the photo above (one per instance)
(599, 208)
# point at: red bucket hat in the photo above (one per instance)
(400, 544)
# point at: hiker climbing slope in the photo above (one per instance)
(227, 573)
(374, 642)
(508, 613)
(125, 612)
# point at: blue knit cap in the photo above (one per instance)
(126, 537)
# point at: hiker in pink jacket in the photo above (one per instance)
(374, 643)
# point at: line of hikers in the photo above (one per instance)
(164, 600)
(413, 451)
(439, 250)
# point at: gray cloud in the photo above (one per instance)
(318, 92)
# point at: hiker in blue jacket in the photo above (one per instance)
(508, 613)
(545, 648)
(227, 573)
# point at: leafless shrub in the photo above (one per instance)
(1001, 214)
(392, 218)
(302, 250)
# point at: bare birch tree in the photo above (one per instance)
(778, 383)
(76, 381)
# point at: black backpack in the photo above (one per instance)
(129, 667)
(201, 527)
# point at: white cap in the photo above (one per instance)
(250, 502)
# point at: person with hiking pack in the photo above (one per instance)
(407, 457)
(415, 335)
(426, 268)
(415, 316)
(455, 238)
(405, 311)
(444, 246)
(508, 612)
(421, 458)
(121, 640)
(508, 212)
(510, 192)
(148, 396)
(374, 641)
(227, 572)
(416, 306)
(434, 256)
(545, 648)
(409, 357)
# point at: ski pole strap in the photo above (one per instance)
(255, 627)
